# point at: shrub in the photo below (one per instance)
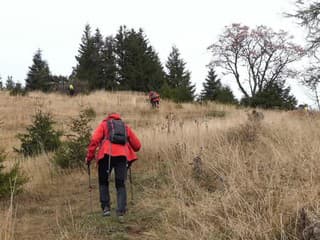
(90, 113)
(11, 181)
(273, 96)
(248, 132)
(71, 154)
(216, 114)
(40, 136)
(18, 90)
(178, 106)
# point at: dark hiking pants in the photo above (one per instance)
(119, 164)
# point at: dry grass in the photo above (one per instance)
(7, 227)
(201, 175)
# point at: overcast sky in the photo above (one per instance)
(56, 28)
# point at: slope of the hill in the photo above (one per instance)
(204, 172)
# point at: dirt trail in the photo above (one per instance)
(64, 213)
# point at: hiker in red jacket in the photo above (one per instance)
(117, 146)
(154, 98)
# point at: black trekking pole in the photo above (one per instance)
(90, 187)
(131, 187)
(109, 164)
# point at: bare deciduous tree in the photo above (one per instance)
(308, 15)
(311, 79)
(261, 55)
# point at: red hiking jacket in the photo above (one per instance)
(154, 96)
(106, 147)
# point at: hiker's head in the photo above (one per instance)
(114, 115)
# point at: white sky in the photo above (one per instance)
(56, 28)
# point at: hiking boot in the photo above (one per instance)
(121, 219)
(106, 212)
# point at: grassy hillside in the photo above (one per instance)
(204, 172)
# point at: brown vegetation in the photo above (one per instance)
(199, 176)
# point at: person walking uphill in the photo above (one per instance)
(71, 90)
(117, 146)
(154, 99)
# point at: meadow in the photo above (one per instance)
(205, 171)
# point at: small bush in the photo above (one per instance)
(216, 114)
(178, 106)
(72, 153)
(12, 181)
(247, 132)
(40, 136)
(89, 112)
(18, 91)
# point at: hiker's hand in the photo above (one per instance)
(129, 164)
(87, 161)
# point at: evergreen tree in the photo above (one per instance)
(38, 77)
(59, 83)
(126, 62)
(211, 86)
(10, 83)
(109, 64)
(139, 67)
(40, 137)
(273, 95)
(18, 90)
(11, 181)
(88, 68)
(178, 78)
(120, 51)
(99, 81)
(214, 91)
(226, 96)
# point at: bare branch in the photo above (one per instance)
(264, 53)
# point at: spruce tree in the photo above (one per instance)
(120, 52)
(109, 64)
(98, 82)
(38, 77)
(59, 83)
(11, 181)
(211, 86)
(273, 95)
(214, 91)
(226, 96)
(139, 67)
(178, 78)
(10, 83)
(87, 69)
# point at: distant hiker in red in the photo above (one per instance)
(154, 98)
(117, 146)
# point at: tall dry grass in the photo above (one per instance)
(251, 183)
(200, 175)
(7, 227)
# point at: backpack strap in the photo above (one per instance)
(110, 126)
(105, 137)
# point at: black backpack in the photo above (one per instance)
(117, 131)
